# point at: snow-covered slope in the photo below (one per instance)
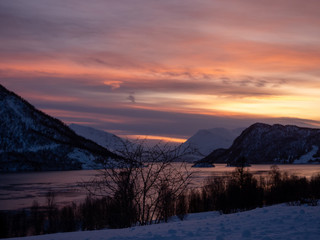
(30, 140)
(104, 139)
(263, 143)
(279, 222)
(207, 140)
(309, 156)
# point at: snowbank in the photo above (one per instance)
(275, 222)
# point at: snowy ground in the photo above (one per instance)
(275, 222)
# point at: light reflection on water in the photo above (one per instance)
(19, 190)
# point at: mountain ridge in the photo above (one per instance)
(31, 140)
(263, 143)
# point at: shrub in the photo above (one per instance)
(36, 219)
(195, 201)
(94, 213)
(166, 203)
(214, 193)
(67, 218)
(285, 188)
(181, 207)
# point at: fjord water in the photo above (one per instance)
(19, 190)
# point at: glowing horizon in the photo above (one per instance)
(154, 137)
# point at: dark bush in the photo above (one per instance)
(195, 201)
(181, 207)
(123, 212)
(315, 187)
(68, 218)
(4, 224)
(19, 224)
(36, 219)
(285, 188)
(166, 205)
(94, 213)
(214, 193)
(242, 192)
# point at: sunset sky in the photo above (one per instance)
(164, 68)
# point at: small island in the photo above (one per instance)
(203, 165)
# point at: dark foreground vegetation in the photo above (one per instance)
(237, 192)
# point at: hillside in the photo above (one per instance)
(263, 143)
(33, 141)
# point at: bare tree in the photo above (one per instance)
(146, 180)
(52, 212)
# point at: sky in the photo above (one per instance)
(164, 68)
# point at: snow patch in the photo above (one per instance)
(36, 148)
(84, 157)
(43, 147)
(308, 156)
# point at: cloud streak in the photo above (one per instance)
(205, 61)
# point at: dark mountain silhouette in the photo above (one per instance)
(263, 143)
(30, 140)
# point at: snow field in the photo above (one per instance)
(268, 223)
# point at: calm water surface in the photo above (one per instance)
(19, 190)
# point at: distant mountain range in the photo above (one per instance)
(30, 140)
(263, 143)
(103, 138)
(206, 140)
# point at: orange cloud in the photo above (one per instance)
(114, 84)
(157, 138)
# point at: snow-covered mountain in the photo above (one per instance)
(104, 139)
(206, 140)
(263, 143)
(30, 140)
